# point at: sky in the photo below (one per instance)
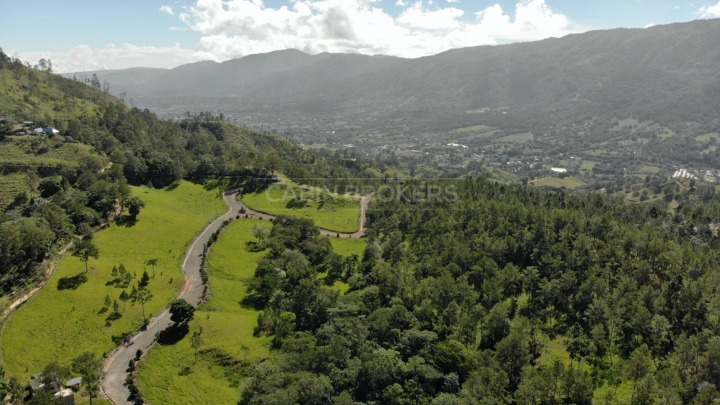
(80, 35)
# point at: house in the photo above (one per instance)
(66, 396)
(38, 385)
(558, 170)
(27, 123)
(47, 131)
(74, 384)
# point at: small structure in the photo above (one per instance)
(47, 131)
(558, 170)
(38, 385)
(28, 123)
(74, 384)
(66, 396)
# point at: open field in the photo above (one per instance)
(226, 325)
(34, 150)
(328, 211)
(347, 247)
(517, 138)
(69, 316)
(11, 185)
(474, 128)
(567, 182)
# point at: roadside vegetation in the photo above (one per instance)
(79, 310)
(170, 374)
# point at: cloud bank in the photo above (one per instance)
(230, 29)
(710, 11)
(234, 28)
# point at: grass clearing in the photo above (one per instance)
(347, 247)
(474, 128)
(226, 325)
(587, 165)
(11, 185)
(328, 211)
(567, 182)
(57, 325)
(39, 150)
(517, 138)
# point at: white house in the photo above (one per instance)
(558, 170)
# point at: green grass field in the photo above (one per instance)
(11, 185)
(567, 182)
(337, 213)
(474, 128)
(517, 138)
(587, 165)
(53, 152)
(57, 325)
(226, 325)
(347, 247)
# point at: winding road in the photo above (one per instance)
(115, 366)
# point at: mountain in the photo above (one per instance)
(638, 69)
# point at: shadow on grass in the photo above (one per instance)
(172, 186)
(173, 334)
(71, 283)
(126, 220)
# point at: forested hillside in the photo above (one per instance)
(58, 186)
(495, 294)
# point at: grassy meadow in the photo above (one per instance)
(335, 213)
(69, 316)
(567, 182)
(226, 325)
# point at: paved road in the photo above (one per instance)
(115, 367)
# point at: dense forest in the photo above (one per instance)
(456, 299)
(126, 146)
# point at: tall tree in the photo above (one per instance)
(89, 366)
(181, 311)
(143, 295)
(85, 249)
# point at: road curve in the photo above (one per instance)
(115, 367)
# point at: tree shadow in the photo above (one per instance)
(173, 334)
(172, 186)
(71, 283)
(126, 220)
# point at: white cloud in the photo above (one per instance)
(84, 58)
(234, 28)
(710, 11)
(167, 10)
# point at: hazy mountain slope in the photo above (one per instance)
(672, 67)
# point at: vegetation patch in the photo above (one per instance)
(473, 128)
(328, 210)
(75, 312)
(567, 182)
(227, 331)
(11, 185)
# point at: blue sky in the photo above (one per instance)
(85, 34)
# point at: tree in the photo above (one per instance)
(144, 280)
(16, 390)
(54, 374)
(124, 297)
(89, 366)
(196, 341)
(85, 249)
(181, 311)
(143, 295)
(152, 263)
(134, 205)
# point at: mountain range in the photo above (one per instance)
(663, 73)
